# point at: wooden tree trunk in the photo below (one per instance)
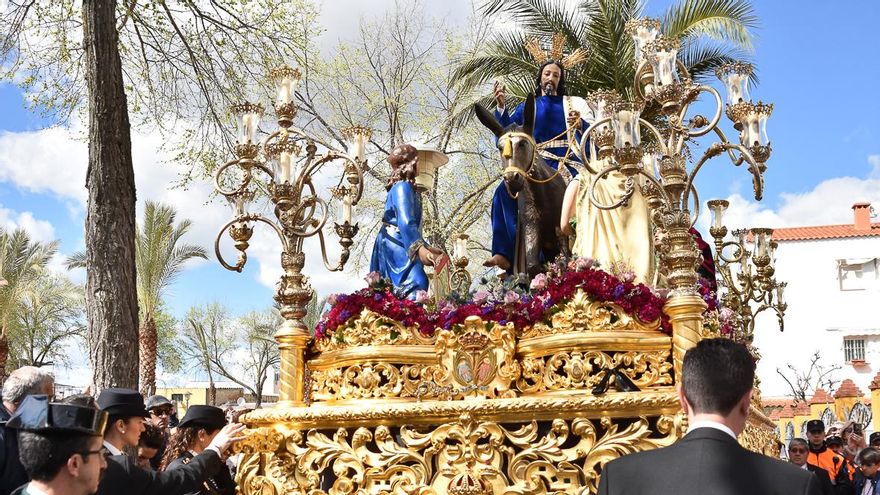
(149, 339)
(4, 355)
(111, 295)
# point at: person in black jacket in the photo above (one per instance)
(60, 446)
(25, 381)
(715, 392)
(798, 449)
(197, 429)
(126, 416)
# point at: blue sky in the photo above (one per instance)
(816, 63)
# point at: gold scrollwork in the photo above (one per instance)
(369, 329)
(466, 456)
(567, 370)
(582, 314)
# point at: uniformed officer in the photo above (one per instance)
(60, 446)
(125, 423)
(194, 433)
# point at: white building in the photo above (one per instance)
(833, 296)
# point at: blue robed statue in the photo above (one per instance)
(555, 114)
(400, 253)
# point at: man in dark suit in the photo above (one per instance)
(797, 455)
(715, 393)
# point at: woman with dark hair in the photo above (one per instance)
(195, 432)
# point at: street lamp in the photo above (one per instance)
(289, 158)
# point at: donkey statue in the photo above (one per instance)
(537, 188)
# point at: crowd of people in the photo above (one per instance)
(110, 444)
(839, 457)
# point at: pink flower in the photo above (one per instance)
(372, 278)
(539, 282)
(581, 264)
(628, 276)
(331, 299)
(511, 297)
(481, 296)
(421, 296)
(725, 314)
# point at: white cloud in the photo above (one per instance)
(39, 230)
(829, 203)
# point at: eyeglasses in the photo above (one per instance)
(161, 412)
(798, 451)
(103, 451)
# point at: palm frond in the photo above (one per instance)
(730, 21)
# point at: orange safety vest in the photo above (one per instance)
(825, 459)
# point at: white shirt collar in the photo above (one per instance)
(30, 489)
(804, 467)
(711, 424)
(113, 450)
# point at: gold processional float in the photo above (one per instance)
(531, 395)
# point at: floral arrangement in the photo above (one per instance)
(510, 301)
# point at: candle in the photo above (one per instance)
(460, 249)
(284, 91)
(347, 208)
(284, 167)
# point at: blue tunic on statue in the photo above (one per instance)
(401, 228)
(549, 123)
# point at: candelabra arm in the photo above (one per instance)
(344, 240)
(703, 130)
(316, 224)
(585, 138)
(733, 158)
(716, 149)
(663, 148)
(245, 181)
(627, 194)
(243, 237)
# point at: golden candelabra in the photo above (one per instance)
(290, 159)
(660, 163)
(741, 284)
(460, 279)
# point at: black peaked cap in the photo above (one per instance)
(203, 416)
(122, 402)
(37, 414)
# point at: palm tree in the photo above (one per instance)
(22, 261)
(712, 33)
(159, 258)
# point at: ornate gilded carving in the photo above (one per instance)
(581, 314)
(466, 456)
(567, 371)
(371, 329)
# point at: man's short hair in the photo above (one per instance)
(716, 374)
(869, 456)
(798, 441)
(44, 454)
(27, 380)
(152, 436)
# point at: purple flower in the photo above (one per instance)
(481, 296)
(421, 296)
(539, 282)
(372, 278)
(511, 297)
(618, 290)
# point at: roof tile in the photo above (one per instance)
(823, 232)
(848, 389)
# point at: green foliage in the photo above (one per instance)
(48, 319)
(22, 264)
(713, 32)
(168, 349)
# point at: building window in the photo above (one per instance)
(858, 273)
(177, 397)
(854, 350)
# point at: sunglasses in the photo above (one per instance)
(798, 451)
(161, 412)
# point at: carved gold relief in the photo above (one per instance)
(370, 329)
(466, 456)
(580, 370)
(581, 314)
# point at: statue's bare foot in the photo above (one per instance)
(499, 261)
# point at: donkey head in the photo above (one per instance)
(516, 144)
